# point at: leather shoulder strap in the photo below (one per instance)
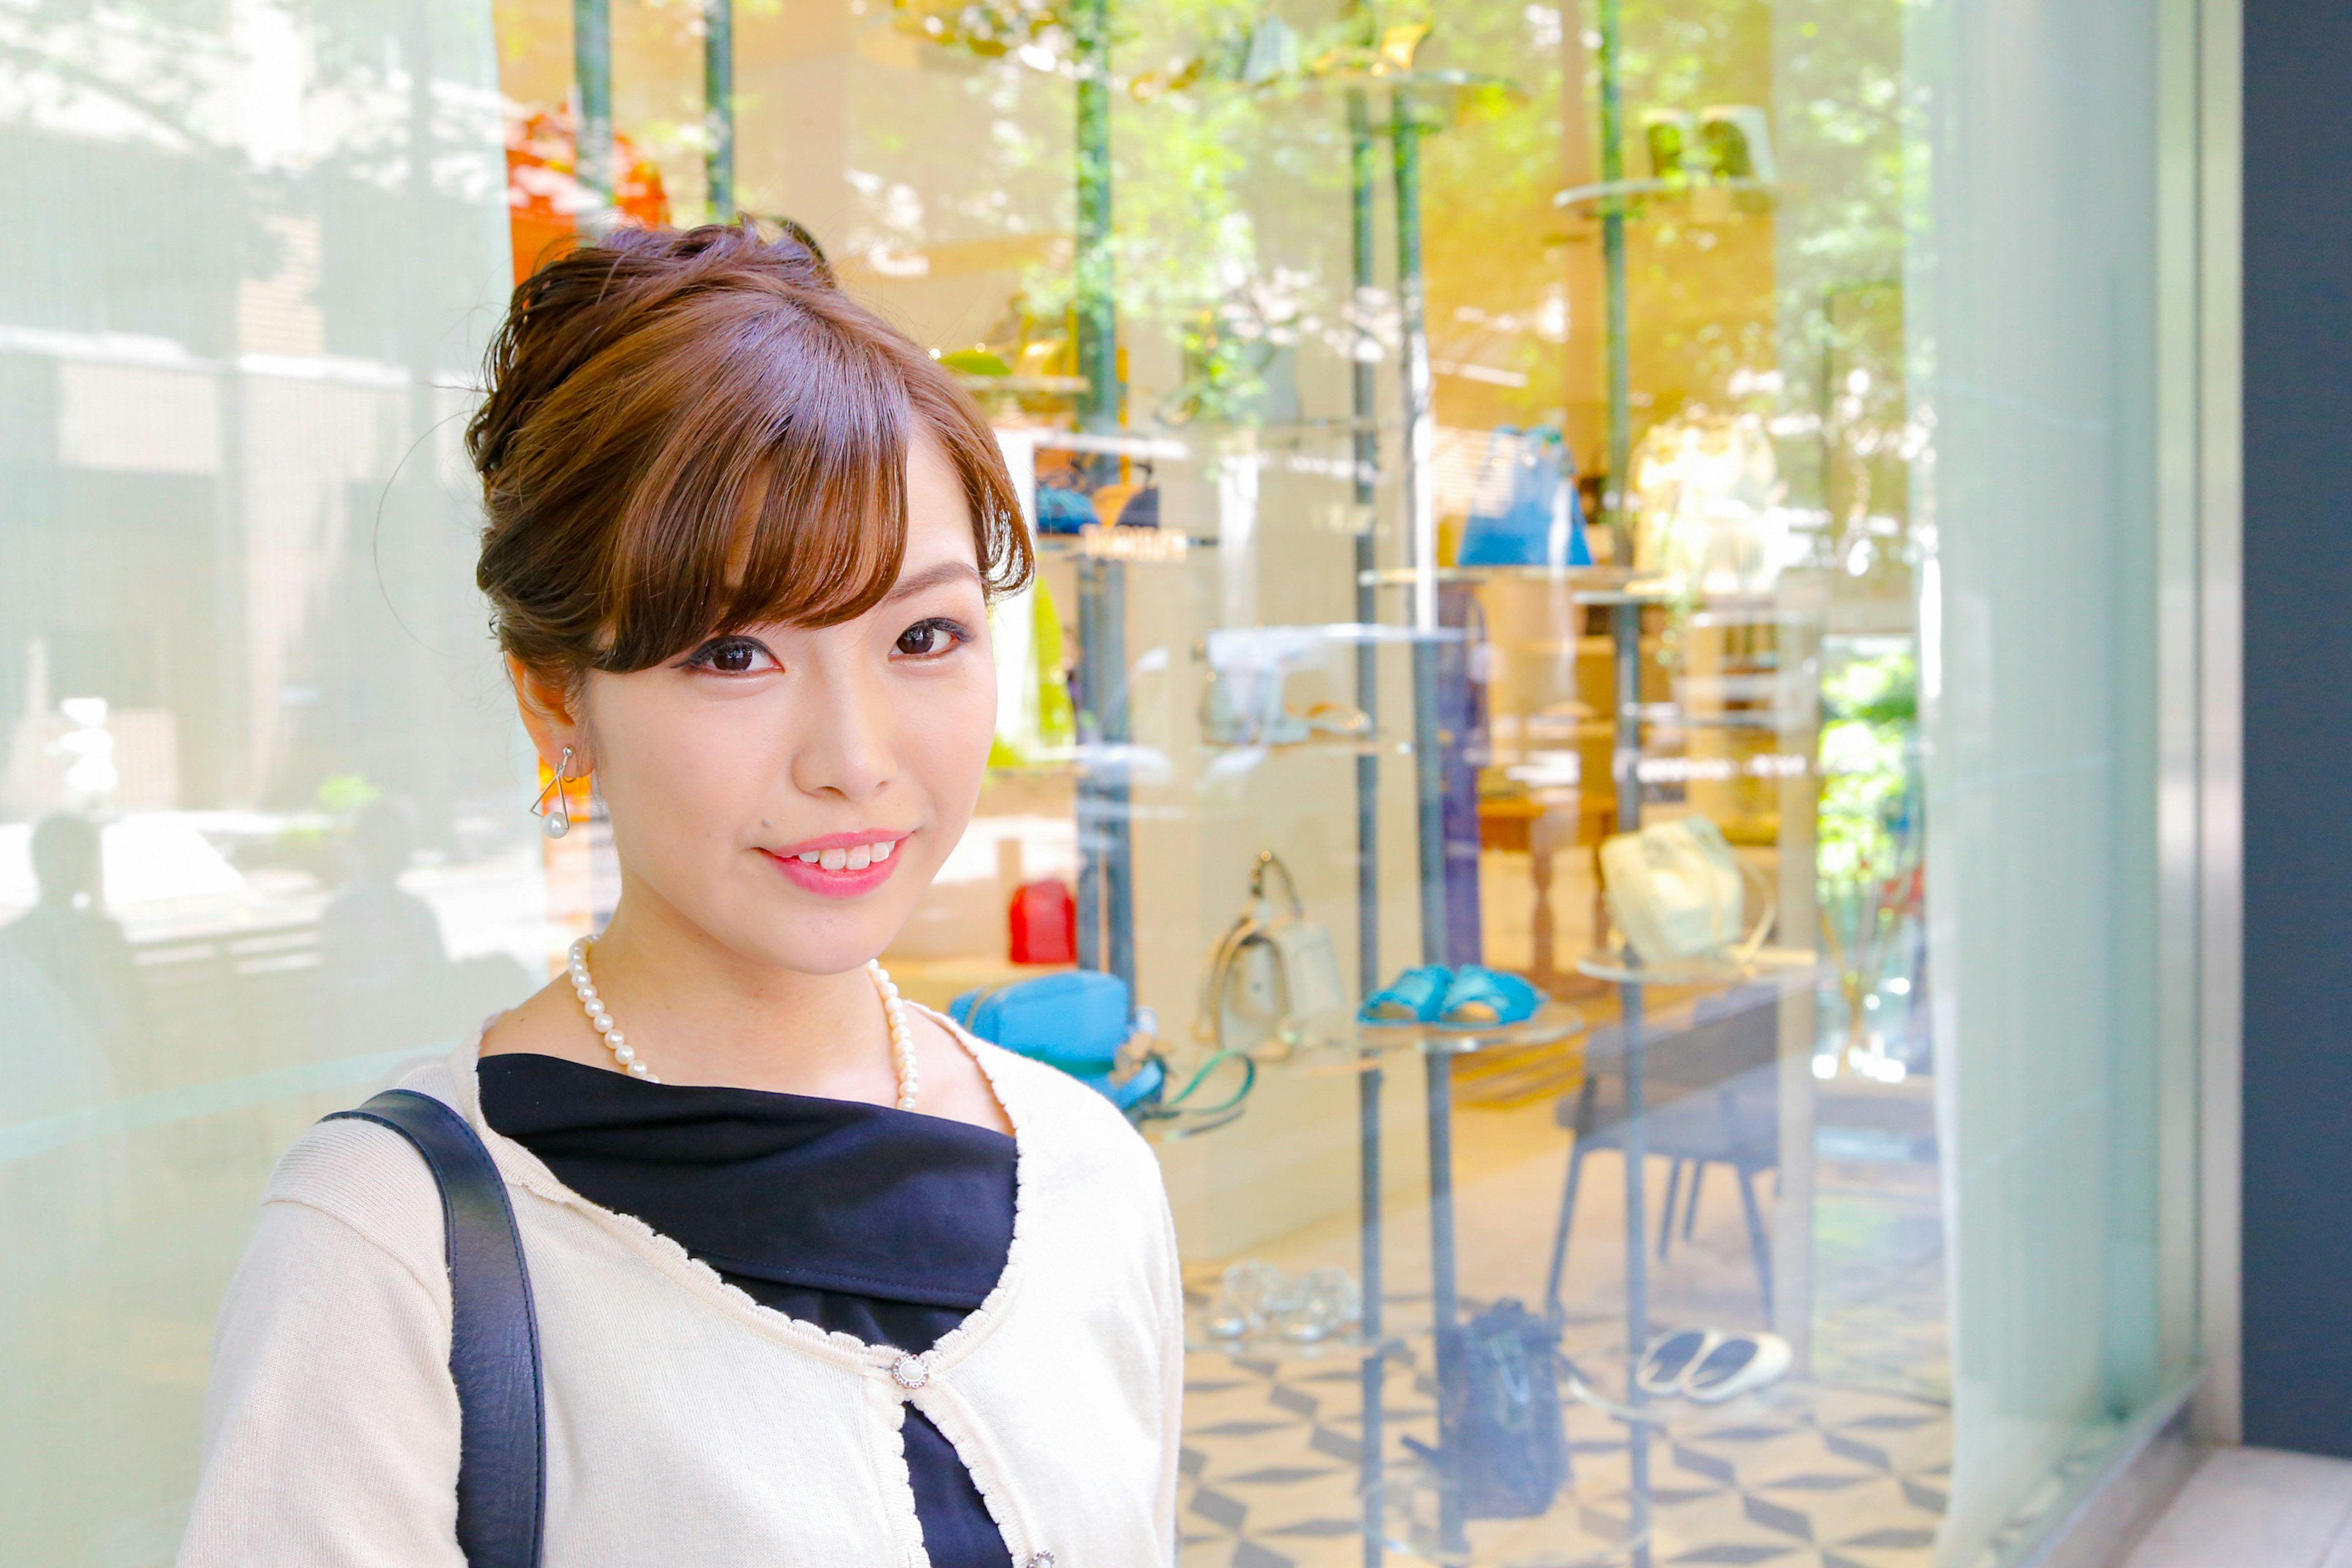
(494, 1334)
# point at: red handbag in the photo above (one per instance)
(1044, 923)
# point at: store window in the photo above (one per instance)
(1596, 622)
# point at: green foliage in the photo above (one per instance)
(1867, 854)
(346, 793)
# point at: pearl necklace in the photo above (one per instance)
(625, 1055)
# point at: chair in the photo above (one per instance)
(1710, 1098)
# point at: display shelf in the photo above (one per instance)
(1604, 190)
(1596, 585)
(1554, 1022)
(1792, 965)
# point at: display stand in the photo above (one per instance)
(718, 110)
(1106, 898)
(591, 83)
(1625, 598)
(1388, 73)
(1364, 381)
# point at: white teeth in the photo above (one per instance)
(833, 859)
(860, 856)
(809, 857)
(882, 850)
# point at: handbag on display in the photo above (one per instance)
(1268, 969)
(1081, 1021)
(1529, 513)
(1704, 504)
(1506, 1446)
(1061, 509)
(1043, 922)
(1678, 891)
(1075, 1021)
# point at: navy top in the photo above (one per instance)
(863, 1220)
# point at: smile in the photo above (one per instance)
(839, 864)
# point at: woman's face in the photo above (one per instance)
(791, 792)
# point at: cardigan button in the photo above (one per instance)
(1039, 1560)
(908, 1372)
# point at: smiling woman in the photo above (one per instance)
(802, 1256)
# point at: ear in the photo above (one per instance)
(550, 717)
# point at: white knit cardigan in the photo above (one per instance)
(686, 1425)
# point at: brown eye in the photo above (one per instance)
(928, 640)
(734, 656)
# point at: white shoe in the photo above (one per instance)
(1670, 1358)
(1735, 1365)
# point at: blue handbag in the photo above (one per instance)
(1537, 518)
(1078, 1020)
(1075, 1020)
(1061, 510)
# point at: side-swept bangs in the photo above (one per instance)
(693, 434)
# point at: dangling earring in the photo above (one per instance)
(555, 821)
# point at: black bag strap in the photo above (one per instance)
(493, 1338)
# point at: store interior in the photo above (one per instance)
(1278, 315)
(1470, 463)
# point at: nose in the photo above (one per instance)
(843, 749)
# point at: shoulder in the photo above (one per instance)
(370, 1181)
(1071, 1132)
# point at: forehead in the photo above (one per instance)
(939, 514)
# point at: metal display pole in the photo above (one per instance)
(1105, 898)
(591, 76)
(1421, 522)
(1626, 629)
(1106, 934)
(1098, 327)
(719, 109)
(1367, 454)
(1422, 527)
(1612, 259)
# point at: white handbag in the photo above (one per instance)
(1677, 891)
(1267, 970)
(1706, 518)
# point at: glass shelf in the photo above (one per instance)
(1344, 1045)
(1787, 964)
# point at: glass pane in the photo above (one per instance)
(260, 835)
(1651, 498)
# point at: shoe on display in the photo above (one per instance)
(1483, 998)
(1242, 1307)
(1413, 998)
(1735, 1364)
(1671, 1357)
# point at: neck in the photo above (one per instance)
(700, 1012)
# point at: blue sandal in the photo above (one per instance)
(1483, 998)
(1413, 998)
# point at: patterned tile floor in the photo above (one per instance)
(1800, 1474)
(1845, 1467)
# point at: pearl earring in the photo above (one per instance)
(555, 821)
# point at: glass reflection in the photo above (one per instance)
(261, 825)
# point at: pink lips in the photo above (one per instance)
(844, 880)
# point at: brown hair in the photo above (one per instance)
(687, 433)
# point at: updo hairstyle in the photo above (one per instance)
(687, 433)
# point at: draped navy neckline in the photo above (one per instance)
(792, 1190)
(866, 1220)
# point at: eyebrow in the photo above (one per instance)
(932, 577)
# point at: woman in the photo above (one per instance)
(819, 1278)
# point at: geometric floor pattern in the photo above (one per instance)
(1800, 1474)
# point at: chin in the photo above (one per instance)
(825, 944)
